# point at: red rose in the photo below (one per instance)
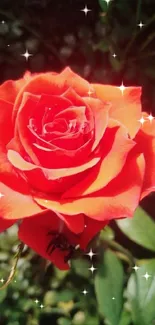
(73, 156)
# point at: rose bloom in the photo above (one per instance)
(73, 156)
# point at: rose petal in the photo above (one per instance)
(5, 117)
(115, 147)
(71, 95)
(74, 223)
(118, 200)
(50, 179)
(145, 139)
(18, 162)
(35, 234)
(4, 224)
(38, 152)
(92, 227)
(15, 205)
(41, 225)
(100, 113)
(125, 108)
(10, 89)
(53, 84)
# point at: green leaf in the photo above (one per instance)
(125, 318)
(103, 5)
(140, 229)
(141, 294)
(109, 284)
(81, 267)
(107, 233)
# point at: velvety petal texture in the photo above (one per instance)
(73, 156)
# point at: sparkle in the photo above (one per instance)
(122, 88)
(136, 268)
(3, 22)
(140, 24)
(85, 292)
(92, 269)
(86, 10)
(85, 226)
(1, 195)
(146, 276)
(114, 55)
(91, 254)
(36, 301)
(26, 55)
(41, 306)
(2, 280)
(107, 1)
(90, 92)
(150, 118)
(113, 298)
(142, 120)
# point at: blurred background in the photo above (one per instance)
(113, 42)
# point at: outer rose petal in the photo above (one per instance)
(118, 200)
(5, 120)
(112, 161)
(53, 84)
(10, 89)
(74, 223)
(15, 205)
(4, 224)
(34, 234)
(91, 229)
(41, 225)
(125, 108)
(145, 139)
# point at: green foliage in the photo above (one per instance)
(141, 294)
(109, 287)
(140, 229)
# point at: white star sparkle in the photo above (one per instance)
(36, 301)
(1, 195)
(2, 280)
(41, 306)
(91, 254)
(92, 269)
(114, 55)
(90, 92)
(107, 1)
(122, 88)
(140, 24)
(85, 226)
(26, 55)
(146, 276)
(3, 22)
(136, 268)
(142, 120)
(85, 292)
(86, 10)
(150, 118)
(113, 298)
